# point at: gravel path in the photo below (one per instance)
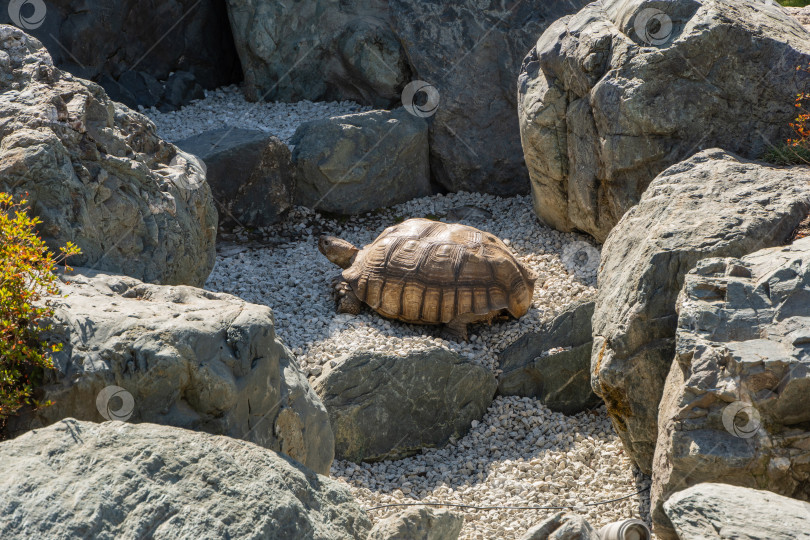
(227, 107)
(520, 453)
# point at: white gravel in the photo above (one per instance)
(226, 107)
(293, 278)
(520, 454)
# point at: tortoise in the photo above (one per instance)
(428, 272)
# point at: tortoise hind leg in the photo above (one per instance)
(348, 301)
(456, 329)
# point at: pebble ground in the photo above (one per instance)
(520, 453)
(226, 107)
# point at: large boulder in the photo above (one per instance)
(554, 365)
(97, 174)
(419, 523)
(187, 357)
(127, 40)
(724, 512)
(117, 480)
(611, 96)
(713, 204)
(356, 163)
(318, 50)
(390, 406)
(250, 174)
(470, 52)
(736, 405)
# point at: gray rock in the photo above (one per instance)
(713, 204)
(93, 38)
(360, 162)
(189, 358)
(562, 527)
(802, 14)
(387, 406)
(471, 52)
(97, 174)
(723, 512)
(118, 92)
(606, 102)
(736, 405)
(318, 50)
(419, 523)
(119, 480)
(181, 88)
(554, 365)
(250, 174)
(145, 89)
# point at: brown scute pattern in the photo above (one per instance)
(428, 272)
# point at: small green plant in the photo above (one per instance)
(795, 151)
(794, 3)
(26, 275)
(787, 154)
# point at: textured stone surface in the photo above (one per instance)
(743, 350)
(97, 174)
(419, 523)
(181, 88)
(471, 51)
(802, 14)
(554, 365)
(562, 527)
(713, 204)
(249, 172)
(724, 512)
(318, 50)
(189, 357)
(602, 104)
(360, 162)
(95, 38)
(117, 480)
(388, 406)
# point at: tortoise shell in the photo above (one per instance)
(427, 272)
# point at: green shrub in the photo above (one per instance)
(26, 275)
(794, 3)
(787, 154)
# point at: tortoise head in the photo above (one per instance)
(340, 252)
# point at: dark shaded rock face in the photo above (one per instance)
(471, 53)
(553, 365)
(98, 39)
(250, 174)
(318, 50)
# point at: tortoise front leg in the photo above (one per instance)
(348, 301)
